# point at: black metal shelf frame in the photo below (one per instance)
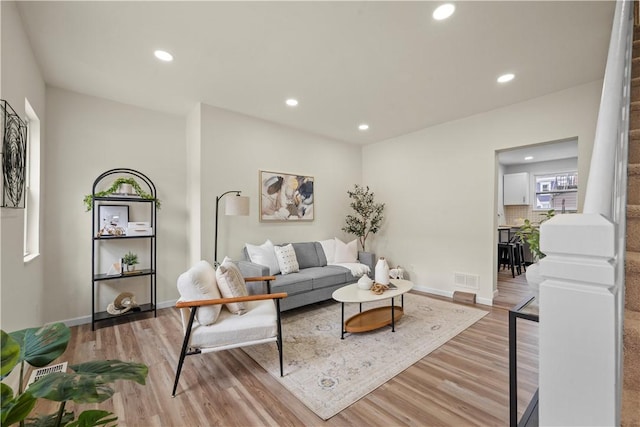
(531, 411)
(98, 278)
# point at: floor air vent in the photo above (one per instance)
(41, 372)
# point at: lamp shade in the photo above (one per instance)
(237, 206)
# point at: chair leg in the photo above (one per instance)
(512, 254)
(183, 352)
(280, 349)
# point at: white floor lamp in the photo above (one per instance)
(235, 206)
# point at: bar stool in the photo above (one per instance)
(506, 257)
(519, 253)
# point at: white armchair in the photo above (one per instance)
(208, 326)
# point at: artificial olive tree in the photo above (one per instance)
(368, 214)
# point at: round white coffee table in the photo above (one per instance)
(374, 318)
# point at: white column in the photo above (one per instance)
(579, 345)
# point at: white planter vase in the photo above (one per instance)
(534, 278)
(382, 271)
(125, 189)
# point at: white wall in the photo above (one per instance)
(194, 184)
(440, 184)
(87, 136)
(21, 285)
(235, 147)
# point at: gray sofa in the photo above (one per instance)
(315, 281)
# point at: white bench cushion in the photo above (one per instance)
(258, 323)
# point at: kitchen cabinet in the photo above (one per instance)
(516, 189)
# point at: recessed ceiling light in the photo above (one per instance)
(529, 158)
(506, 78)
(443, 11)
(291, 102)
(163, 55)
(363, 126)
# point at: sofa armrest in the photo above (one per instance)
(251, 269)
(368, 258)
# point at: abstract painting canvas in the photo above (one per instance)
(286, 197)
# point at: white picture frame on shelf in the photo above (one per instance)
(113, 220)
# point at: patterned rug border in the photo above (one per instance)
(328, 374)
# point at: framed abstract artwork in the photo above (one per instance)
(286, 197)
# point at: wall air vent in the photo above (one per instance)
(466, 280)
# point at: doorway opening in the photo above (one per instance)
(530, 180)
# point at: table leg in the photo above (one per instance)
(342, 324)
(393, 316)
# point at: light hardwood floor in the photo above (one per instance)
(463, 383)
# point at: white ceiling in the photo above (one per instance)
(385, 63)
(540, 153)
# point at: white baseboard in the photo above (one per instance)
(87, 319)
(449, 294)
(439, 292)
(485, 301)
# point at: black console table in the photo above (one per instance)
(526, 309)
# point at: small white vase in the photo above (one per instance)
(365, 282)
(131, 267)
(534, 278)
(382, 271)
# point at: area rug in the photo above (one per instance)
(329, 374)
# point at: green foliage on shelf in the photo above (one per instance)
(88, 383)
(368, 214)
(130, 258)
(88, 199)
(531, 234)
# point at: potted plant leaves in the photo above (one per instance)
(88, 383)
(130, 260)
(121, 185)
(367, 214)
(530, 234)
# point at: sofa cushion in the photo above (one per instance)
(292, 284)
(199, 283)
(346, 252)
(264, 254)
(328, 276)
(329, 250)
(307, 254)
(231, 284)
(287, 259)
(322, 258)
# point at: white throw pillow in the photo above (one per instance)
(329, 248)
(231, 284)
(287, 259)
(346, 252)
(265, 255)
(199, 283)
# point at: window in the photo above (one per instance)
(557, 191)
(32, 188)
